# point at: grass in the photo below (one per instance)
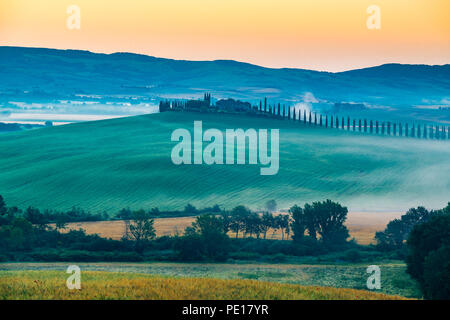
(394, 279)
(111, 164)
(107, 285)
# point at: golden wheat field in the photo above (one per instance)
(362, 226)
(51, 285)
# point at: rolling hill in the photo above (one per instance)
(39, 73)
(111, 164)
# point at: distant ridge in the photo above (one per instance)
(54, 72)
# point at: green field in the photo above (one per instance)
(111, 164)
(394, 280)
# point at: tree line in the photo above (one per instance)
(390, 128)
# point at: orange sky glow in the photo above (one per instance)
(321, 34)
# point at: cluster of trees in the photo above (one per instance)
(362, 125)
(428, 257)
(317, 222)
(317, 228)
(242, 220)
(42, 218)
(396, 233)
(61, 218)
(189, 210)
(423, 237)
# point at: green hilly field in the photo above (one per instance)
(111, 164)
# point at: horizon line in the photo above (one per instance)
(231, 60)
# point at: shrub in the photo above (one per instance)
(436, 274)
(428, 245)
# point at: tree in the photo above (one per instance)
(140, 229)
(397, 231)
(252, 224)
(427, 261)
(238, 215)
(266, 223)
(6, 214)
(190, 209)
(436, 274)
(327, 219)
(3, 208)
(298, 223)
(34, 216)
(282, 222)
(209, 236)
(271, 206)
(124, 214)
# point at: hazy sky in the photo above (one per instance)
(320, 34)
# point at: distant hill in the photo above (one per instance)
(51, 73)
(112, 164)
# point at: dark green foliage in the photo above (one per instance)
(396, 233)
(238, 215)
(428, 259)
(327, 220)
(140, 229)
(436, 274)
(298, 224)
(204, 240)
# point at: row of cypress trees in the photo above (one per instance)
(362, 125)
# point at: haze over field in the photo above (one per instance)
(112, 164)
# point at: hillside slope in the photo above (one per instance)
(111, 164)
(52, 74)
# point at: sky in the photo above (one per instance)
(329, 35)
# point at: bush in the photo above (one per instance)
(277, 258)
(245, 256)
(428, 245)
(436, 274)
(352, 255)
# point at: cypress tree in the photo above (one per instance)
(348, 123)
(365, 125)
(321, 120)
(331, 122)
(371, 126)
(289, 112)
(359, 125)
(395, 129)
(382, 127)
(304, 116)
(354, 125)
(406, 130)
(294, 116)
(400, 129)
(310, 116)
(413, 130)
(315, 118)
(326, 121)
